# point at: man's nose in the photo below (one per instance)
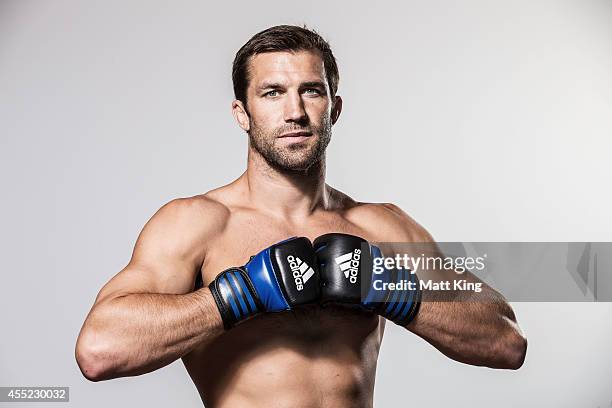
(294, 108)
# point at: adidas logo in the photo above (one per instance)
(349, 264)
(301, 271)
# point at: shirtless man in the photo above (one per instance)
(149, 315)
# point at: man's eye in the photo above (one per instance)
(313, 91)
(274, 92)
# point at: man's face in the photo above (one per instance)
(290, 108)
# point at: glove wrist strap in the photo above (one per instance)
(234, 296)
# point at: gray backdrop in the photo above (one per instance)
(484, 120)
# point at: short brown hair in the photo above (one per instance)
(282, 38)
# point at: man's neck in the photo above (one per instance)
(289, 194)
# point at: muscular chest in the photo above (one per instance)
(248, 234)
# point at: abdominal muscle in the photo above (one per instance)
(312, 357)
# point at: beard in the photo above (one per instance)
(296, 156)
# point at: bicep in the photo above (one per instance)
(166, 258)
(168, 277)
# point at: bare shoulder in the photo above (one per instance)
(185, 224)
(387, 222)
(199, 211)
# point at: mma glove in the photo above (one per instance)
(348, 277)
(277, 279)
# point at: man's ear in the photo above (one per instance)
(241, 115)
(336, 109)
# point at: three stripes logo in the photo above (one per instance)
(300, 270)
(349, 264)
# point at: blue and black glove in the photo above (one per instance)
(348, 277)
(276, 279)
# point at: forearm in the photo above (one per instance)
(138, 333)
(479, 330)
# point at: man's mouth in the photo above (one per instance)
(296, 134)
(295, 137)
